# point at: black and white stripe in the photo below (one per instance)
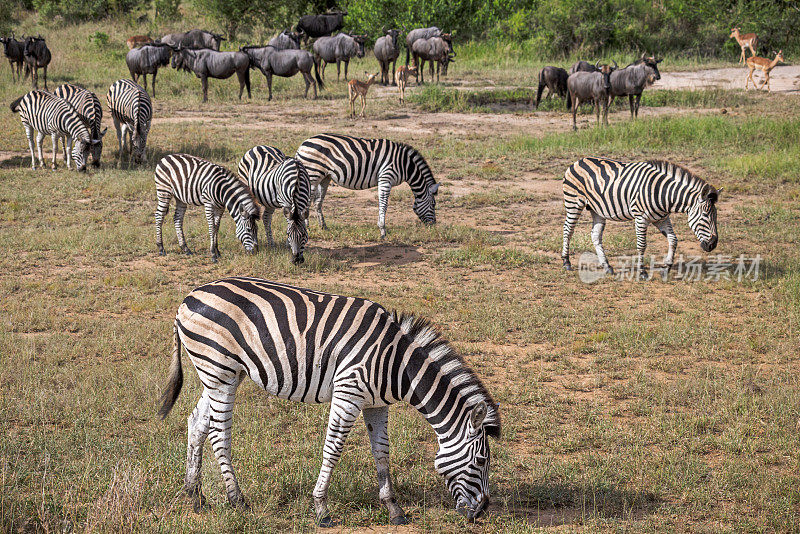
(48, 114)
(89, 108)
(278, 182)
(194, 181)
(358, 163)
(132, 112)
(313, 347)
(646, 192)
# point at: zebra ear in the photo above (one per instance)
(103, 132)
(434, 189)
(287, 212)
(478, 415)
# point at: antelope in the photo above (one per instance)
(401, 77)
(357, 89)
(748, 40)
(764, 65)
(138, 40)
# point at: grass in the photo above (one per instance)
(627, 406)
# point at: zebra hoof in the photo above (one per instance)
(609, 269)
(399, 520)
(161, 251)
(326, 522)
(567, 265)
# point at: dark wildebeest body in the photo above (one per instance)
(387, 52)
(285, 40)
(435, 50)
(633, 79)
(582, 66)
(146, 60)
(320, 25)
(212, 64)
(555, 79)
(592, 87)
(194, 39)
(36, 56)
(425, 33)
(339, 48)
(14, 51)
(284, 63)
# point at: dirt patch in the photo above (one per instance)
(783, 79)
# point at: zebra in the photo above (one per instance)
(646, 192)
(358, 163)
(279, 182)
(313, 347)
(132, 112)
(89, 108)
(195, 181)
(48, 114)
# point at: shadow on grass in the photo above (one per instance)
(383, 254)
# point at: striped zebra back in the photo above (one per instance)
(257, 162)
(48, 113)
(85, 103)
(129, 102)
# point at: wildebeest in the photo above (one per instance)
(36, 56)
(14, 51)
(555, 79)
(339, 48)
(426, 33)
(212, 64)
(320, 25)
(633, 79)
(138, 40)
(194, 39)
(387, 51)
(285, 40)
(435, 50)
(582, 66)
(284, 63)
(146, 60)
(592, 87)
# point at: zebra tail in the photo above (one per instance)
(175, 383)
(320, 83)
(15, 104)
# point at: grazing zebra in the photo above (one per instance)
(313, 347)
(278, 182)
(89, 108)
(48, 114)
(357, 163)
(195, 181)
(646, 192)
(132, 111)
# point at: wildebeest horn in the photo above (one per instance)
(615, 65)
(644, 55)
(597, 65)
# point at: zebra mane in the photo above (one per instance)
(424, 334)
(425, 169)
(679, 173)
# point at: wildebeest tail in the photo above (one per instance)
(320, 83)
(15, 104)
(175, 383)
(541, 88)
(569, 100)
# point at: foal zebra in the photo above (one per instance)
(88, 107)
(48, 114)
(646, 192)
(132, 112)
(313, 347)
(195, 181)
(357, 163)
(279, 182)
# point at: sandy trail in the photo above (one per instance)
(783, 79)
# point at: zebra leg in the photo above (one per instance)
(54, 137)
(177, 217)
(344, 412)
(665, 226)
(198, 425)
(641, 244)
(39, 141)
(68, 142)
(321, 188)
(384, 188)
(598, 225)
(29, 135)
(161, 211)
(120, 139)
(211, 214)
(220, 438)
(377, 421)
(573, 213)
(267, 218)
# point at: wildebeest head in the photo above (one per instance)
(606, 71)
(180, 58)
(216, 40)
(702, 217)
(392, 34)
(448, 38)
(32, 45)
(652, 62)
(360, 40)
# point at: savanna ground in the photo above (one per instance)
(626, 405)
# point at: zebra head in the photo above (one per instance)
(246, 217)
(97, 148)
(296, 232)
(703, 218)
(80, 152)
(464, 462)
(425, 204)
(140, 142)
